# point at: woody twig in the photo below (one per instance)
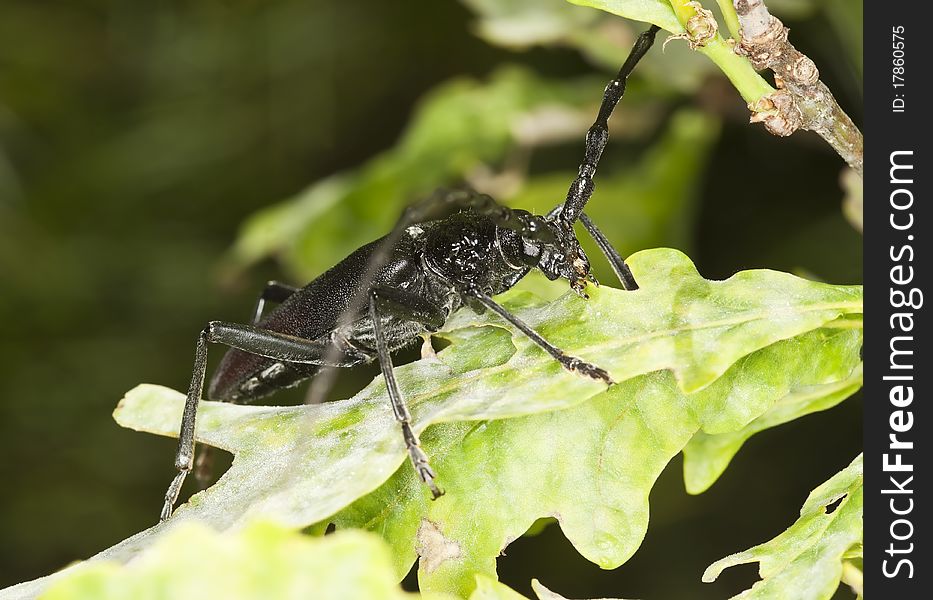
(801, 101)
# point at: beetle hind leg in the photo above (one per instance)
(419, 460)
(255, 340)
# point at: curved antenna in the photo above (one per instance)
(598, 135)
(622, 271)
(619, 267)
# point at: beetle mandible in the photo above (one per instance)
(386, 294)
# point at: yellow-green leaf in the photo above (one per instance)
(808, 560)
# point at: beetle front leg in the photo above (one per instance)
(262, 342)
(571, 363)
(385, 301)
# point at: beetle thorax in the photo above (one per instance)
(467, 251)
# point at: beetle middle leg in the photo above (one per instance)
(262, 342)
(384, 302)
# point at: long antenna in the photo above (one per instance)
(598, 135)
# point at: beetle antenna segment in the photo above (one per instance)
(598, 135)
(616, 261)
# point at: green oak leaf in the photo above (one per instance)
(513, 436)
(808, 560)
(707, 455)
(591, 466)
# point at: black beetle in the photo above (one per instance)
(386, 294)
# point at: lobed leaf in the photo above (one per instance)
(707, 455)
(591, 466)
(513, 436)
(807, 561)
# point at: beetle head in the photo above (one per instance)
(555, 250)
(566, 259)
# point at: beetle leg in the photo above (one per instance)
(275, 291)
(384, 301)
(571, 363)
(262, 342)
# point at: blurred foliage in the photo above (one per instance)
(676, 16)
(651, 202)
(808, 560)
(645, 204)
(136, 138)
(706, 355)
(853, 201)
(602, 38)
(261, 561)
(458, 128)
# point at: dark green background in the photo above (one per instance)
(136, 137)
